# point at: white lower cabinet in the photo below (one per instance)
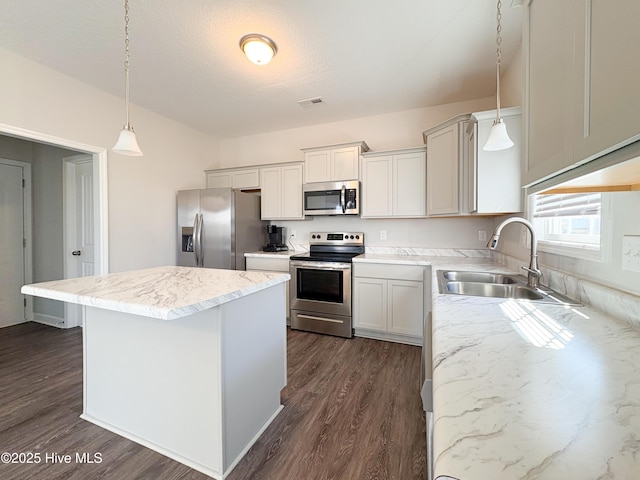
(388, 301)
(278, 263)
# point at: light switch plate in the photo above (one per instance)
(631, 252)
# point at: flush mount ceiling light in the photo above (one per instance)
(498, 136)
(127, 143)
(258, 48)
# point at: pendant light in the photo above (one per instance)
(258, 48)
(127, 143)
(498, 136)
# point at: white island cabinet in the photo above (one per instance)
(188, 362)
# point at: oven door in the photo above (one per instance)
(322, 287)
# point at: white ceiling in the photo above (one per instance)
(363, 57)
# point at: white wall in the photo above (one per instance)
(142, 210)
(380, 132)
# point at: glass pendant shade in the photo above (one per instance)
(258, 48)
(127, 143)
(498, 137)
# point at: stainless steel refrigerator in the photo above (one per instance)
(217, 226)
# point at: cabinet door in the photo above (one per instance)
(406, 307)
(370, 304)
(292, 192)
(376, 196)
(607, 76)
(549, 90)
(219, 180)
(344, 163)
(249, 178)
(317, 166)
(271, 201)
(409, 185)
(443, 159)
(472, 172)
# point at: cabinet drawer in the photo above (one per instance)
(268, 264)
(378, 270)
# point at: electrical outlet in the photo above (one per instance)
(383, 234)
(482, 235)
(631, 253)
(293, 234)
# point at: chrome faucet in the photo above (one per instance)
(534, 273)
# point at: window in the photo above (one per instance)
(568, 220)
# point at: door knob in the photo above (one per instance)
(76, 253)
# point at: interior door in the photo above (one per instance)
(80, 236)
(12, 255)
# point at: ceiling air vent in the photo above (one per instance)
(310, 102)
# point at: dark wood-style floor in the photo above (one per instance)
(352, 411)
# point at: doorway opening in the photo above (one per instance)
(81, 187)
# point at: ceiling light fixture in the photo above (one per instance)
(258, 48)
(127, 143)
(498, 136)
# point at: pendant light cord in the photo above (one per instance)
(126, 62)
(498, 59)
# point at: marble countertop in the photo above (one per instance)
(524, 390)
(163, 292)
(285, 254)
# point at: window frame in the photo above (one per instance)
(580, 251)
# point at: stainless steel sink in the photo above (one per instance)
(498, 290)
(478, 277)
(496, 285)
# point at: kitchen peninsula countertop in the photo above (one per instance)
(528, 390)
(166, 293)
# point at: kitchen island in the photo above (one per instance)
(188, 362)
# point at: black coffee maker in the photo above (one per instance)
(276, 239)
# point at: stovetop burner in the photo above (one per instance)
(333, 247)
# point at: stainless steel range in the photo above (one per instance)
(321, 297)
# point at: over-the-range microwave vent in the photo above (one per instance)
(309, 102)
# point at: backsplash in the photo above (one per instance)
(619, 304)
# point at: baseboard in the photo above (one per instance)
(155, 447)
(50, 320)
(388, 337)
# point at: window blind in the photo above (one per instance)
(567, 205)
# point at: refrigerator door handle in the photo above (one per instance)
(197, 239)
(200, 246)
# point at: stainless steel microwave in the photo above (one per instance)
(332, 198)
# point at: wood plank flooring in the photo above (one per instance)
(352, 411)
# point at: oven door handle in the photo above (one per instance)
(320, 265)
(343, 199)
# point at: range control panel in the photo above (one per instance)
(336, 238)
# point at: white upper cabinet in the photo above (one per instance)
(281, 192)
(444, 155)
(464, 179)
(333, 163)
(607, 76)
(245, 178)
(394, 183)
(581, 93)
